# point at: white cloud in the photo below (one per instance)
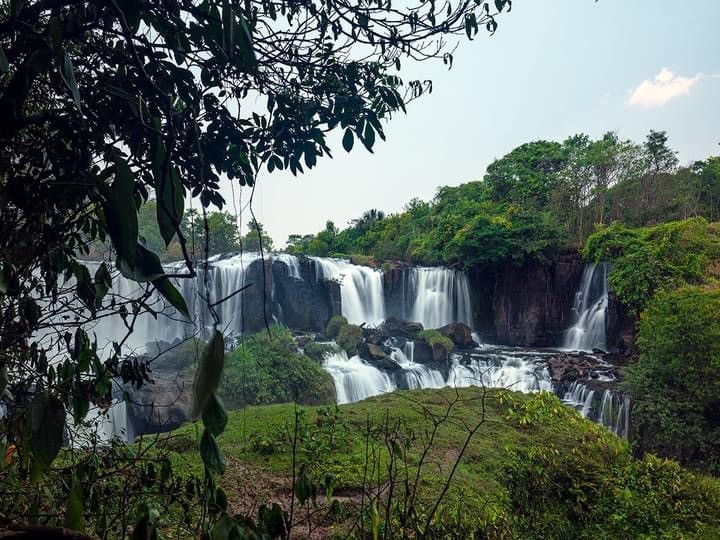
(664, 87)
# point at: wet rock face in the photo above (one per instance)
(531, 303)
(307, 303)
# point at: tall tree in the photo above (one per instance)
(105, 103)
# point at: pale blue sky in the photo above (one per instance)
(554, 68)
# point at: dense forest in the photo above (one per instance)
(540, 198)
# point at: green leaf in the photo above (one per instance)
(74, 509)
(81, 406)
(146, 267)
(369, 137)
(103, 281)
(303, 486)
(146, 526)
(214, 416)
(211, 454)
(221, 499)
(4, 64)
(30, 311)
(348, 140)
(228, 27)
(273, 520)
(3, 380)
(246, 44)
(120, 214)
(5, 278)
(68, 75)
(85, 286)
(170, 205)
(47, 421)
(165, 287)
(222, 528)
(207, 376)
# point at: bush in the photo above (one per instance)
(270, 370)
(675, 384)
(577, 495)
(318, 351)
(349, 338)
(334, 326)
(666, 256)
(433, 337)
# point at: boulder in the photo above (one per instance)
(394, 327)
(460, 334)
(160, 406)
(422, 353)
(371, 352)
(386, 364)
(439, 354)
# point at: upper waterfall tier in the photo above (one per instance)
(301, 293)
(589, 329)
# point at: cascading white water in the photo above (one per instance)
(415, 376)
(225, 276)
(354, 379)
(615, 412)
(580, 397)
(291, 261)
(361, 289)
(590, 311)
(439, 296)
(501, 369)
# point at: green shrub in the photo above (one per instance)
(334, 326)
(318, 351)
(600, 491)
(349, 338)
(675, 384)
(665, 256)
(433, 337)
(267, 369)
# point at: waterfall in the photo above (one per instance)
(361, 289)
(225, 276)
(354, 379)
(615, 412)
(590, 311)
(439, 296)
(500, 369)
(292, 262)
(415, 376)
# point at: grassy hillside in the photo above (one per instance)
(521, 466)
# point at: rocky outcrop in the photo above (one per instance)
(394, 327)
(531, 303)
(621, 325)
(162, 405)
(567, 368)
(308, 302)
(460, 334)
(258, 295)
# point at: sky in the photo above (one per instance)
(553, 68)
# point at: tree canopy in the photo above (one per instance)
(107, 105)
(539, 198)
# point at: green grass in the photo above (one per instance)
(534, 468)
